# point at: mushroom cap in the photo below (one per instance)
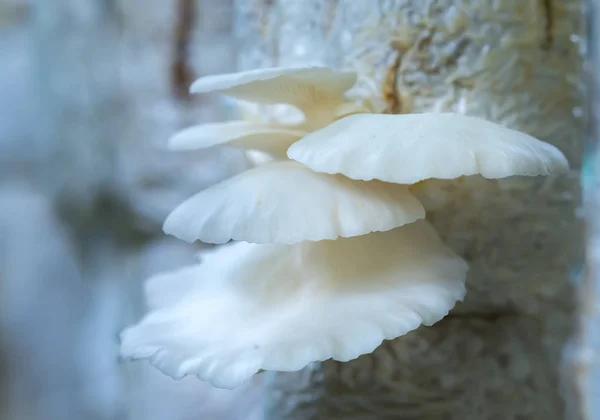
(270, 138)
(251, 307)
(410, 148)
(299, 86)
(285, 203)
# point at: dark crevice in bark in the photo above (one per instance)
(452, 60)
(181, 73)
(390, 88)
(548, 39)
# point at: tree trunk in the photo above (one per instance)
(516, 62)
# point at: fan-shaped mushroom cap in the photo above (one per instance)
(298, 86)
(410, 148)
(249, 307)
(317, 91)
(270, 138)
(286, 203)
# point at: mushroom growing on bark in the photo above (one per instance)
(318, 92)
(287, 203)
(407, 149)
(250, 307)
(334, 256)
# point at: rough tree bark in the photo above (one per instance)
(517, 62)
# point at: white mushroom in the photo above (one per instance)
(311, 89)
(249, 307)
(286, 203)
(410, 148)
(318, 92)
(274, 139)
(330, 266)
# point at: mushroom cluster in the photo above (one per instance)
(332, 253)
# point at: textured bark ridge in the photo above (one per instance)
(519, 63)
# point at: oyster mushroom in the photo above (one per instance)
(250, 307)
(287, 203)
(273, 139)
(334, 255)
(410, 148)
(318, 92)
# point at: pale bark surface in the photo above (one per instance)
(498, 355)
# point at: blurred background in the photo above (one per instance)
(90, 91)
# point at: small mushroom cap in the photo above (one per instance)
(286, 203)
(271, 138)
(249, 307)
(410, 148)
(299, 86)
